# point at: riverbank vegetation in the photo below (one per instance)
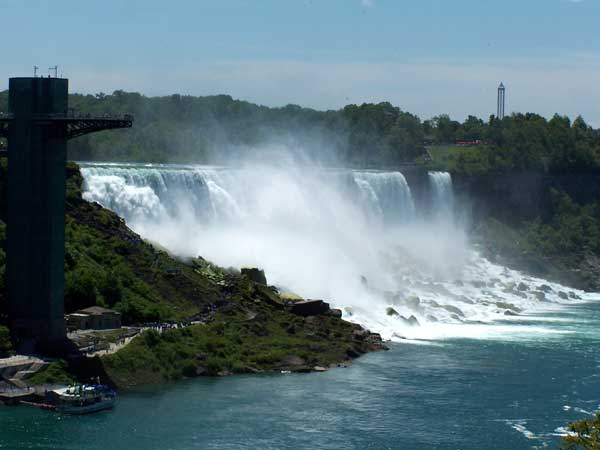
(583, 435)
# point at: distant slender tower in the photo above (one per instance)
(501, 101)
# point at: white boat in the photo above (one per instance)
(82, 398)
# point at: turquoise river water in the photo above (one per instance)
(515, 390)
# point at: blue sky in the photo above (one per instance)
(426, 56)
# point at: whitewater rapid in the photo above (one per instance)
(357, 239)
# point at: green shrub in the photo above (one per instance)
(584, 435)
(55, 373)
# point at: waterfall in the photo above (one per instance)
(355, 238)
(386, 195)
(442, 195)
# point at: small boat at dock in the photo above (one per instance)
(82, 398)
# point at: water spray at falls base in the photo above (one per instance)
(357, 239)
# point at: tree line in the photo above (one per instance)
(214, 129)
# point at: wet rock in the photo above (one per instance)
(563, 295)
(391, 311)
(545, 288)
(375, 342)
(465, 299)
(431, 318)
(453, 309)
(508, 312)
(411, 321)
(517, 293)
(335, 313)
(522, 287)
(539, 295)
(574, 295)
(351, 353)
(254, 274)
(360, 334)
(309, 308)
(510, 306)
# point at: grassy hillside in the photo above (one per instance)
(246, 327)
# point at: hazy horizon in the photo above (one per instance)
(432, 58)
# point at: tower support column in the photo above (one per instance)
(36, 211)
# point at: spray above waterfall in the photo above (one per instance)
(395, 261)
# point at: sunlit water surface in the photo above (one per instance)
(494, 393)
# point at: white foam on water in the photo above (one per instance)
(357, 239)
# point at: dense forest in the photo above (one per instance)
(517, 142)
(217, 128)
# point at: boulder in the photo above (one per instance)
(453, 309)
(510, 306)
(522, 287)
(351, 353)
(541, 296)
(411, 321)
(563, 295)
(360, 334)
(254, 274)
(391, 311)
(335, 313)
(574, 295)
(310, 308)
(545, 288)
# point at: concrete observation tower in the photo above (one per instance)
(37, 127)
(501, 101)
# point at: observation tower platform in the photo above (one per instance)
(37, 127)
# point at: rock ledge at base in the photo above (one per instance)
(309, 308)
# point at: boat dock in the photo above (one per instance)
(13, 397)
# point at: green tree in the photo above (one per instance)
(583, 435)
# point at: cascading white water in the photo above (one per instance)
(442, 201)
(354, 238)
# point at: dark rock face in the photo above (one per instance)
(255, 274)
(310, 308)
(335, 313)
(522, 194)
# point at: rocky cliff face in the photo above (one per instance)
(519, 196)
(502, 208)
